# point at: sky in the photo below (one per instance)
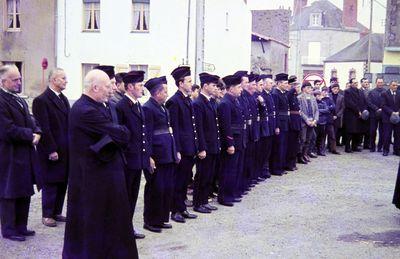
(363, 10)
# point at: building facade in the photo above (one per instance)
(151, 35)
(391, 59)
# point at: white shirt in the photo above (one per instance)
(206, 96)
(55, 92)
(131, 98)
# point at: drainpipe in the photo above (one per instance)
(199, 61)
(186, 62)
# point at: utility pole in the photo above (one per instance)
(199, 62)
(186, 62)
(370, 37)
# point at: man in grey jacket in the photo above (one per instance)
(309, 114)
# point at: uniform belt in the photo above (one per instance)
(238, 127)
(284, 113)
(265, 119)
(294, 112)
(162, 131)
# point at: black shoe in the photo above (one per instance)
(165, 225)
(284, 172)
(236, 200)
(379, 149)
(348, 151)
(177, 217)
(137, 235)
(385, 153)
(372, 150)
(188, 215)
(295, 168)
(60, 218)
(18, 238)
(226, 203)
(396, 153)
(201, 209)
(321, 154)
(301, 160)
(277, 174)
(289, 168)
(245, 193)
(252, 185)
(210, 207)
(262, 178)
(335, 152)
(312, 155)
(356, 150)
(152, 228)
(27, 233)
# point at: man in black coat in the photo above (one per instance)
(51, 110)
(110, 103)
(18, 137)
(282, 125)
(396, 195)
(98, 216)
(183, 123)
(354, 103)
(158, 192)
(391, 106)
(233, 129)
(131, 115)
(338, 100)
(209, 143)
(374, 102)
(365, 124)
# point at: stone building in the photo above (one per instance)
(318, 31)
(391, 59)
(270, 41)
(27, 37)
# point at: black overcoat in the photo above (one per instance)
(354, 103)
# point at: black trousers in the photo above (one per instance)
(132, 178)
(376, 125)
(158, 193)
(321, 138)
(248, 166)
(388, 129)
(53, 196)
(293, 148)
(352, 141)
(264, 155)
(305, 138)
(228, 177)
(205, 171)
(182, 178)
(279, 149)
(14, 215)
(331, 133)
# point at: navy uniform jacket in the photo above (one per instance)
(254, 112)
(267, 114)
(137, 151)
(247, 116)
(183, 123)
(52, 112)
(294, 105)
(207, 125)
(159, 133)
(389, 105)
(18, 159)
(231, 122)
(282, 109)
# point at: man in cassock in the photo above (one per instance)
(130, 114)
(209, 143)
(51, 110)
(396, 195)
(183, 124)
(98, 212)
(110, 103)
(18, 137)
(158, 190)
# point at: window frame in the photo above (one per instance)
(92, 9)
(315, 17)
(14, 15)
(141, 22)
(142, 67)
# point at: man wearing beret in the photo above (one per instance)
(390, 107)
(282, 126)
(233, 130)
(209, 143)
(131, 115)
(183, 123)
(158, 191)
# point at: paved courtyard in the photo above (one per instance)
(335, 207)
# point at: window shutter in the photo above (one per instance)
(141, 1)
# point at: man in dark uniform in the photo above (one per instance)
(18, 137)
(98, 215)
(51, 110)
(294, 125)
(232, 129)
(282, 125)
(130, 114)
(268, 124)
(374, 102)
(209, 143)
(158, 191)
(354, 105)
(120, 88)
(391, 106)
(183, 123)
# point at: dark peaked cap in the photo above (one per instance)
(133, 77)
(241, 73)
(109, 70)
(232, 80)
(155, 82)
(252, 77)
(281, 77)
(206, 78)
(264, 76)
(163, 79)
(180, 72)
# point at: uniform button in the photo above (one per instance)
(143, 126)
(192, 117)
(144, 142)
(144, 150)
(144, 134)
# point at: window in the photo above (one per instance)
(13, 15)
(315, 19)
(86, 67)
(91, 15)
(144, 68)
(141, 15)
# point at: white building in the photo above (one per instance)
(150, 35)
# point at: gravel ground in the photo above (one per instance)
(335, 207)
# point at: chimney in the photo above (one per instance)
(349, 18)
(298, 5)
